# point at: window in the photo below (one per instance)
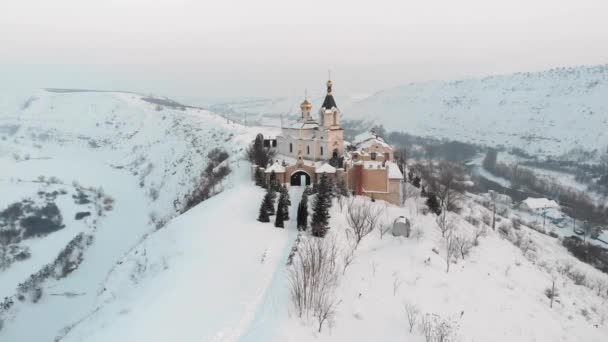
(373, 154)
(290, 148)
(321, 150)
(386, 156)
(307, 149)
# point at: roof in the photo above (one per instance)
(325, 168)
(540, 203)
(276, 167)
(329, 102)
(393, 171)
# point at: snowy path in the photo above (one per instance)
(275, 302)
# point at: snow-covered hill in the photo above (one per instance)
(550, 112)
(121, 163)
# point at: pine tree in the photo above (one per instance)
(342, 189)
(433, 203)
(273, 182)
(266, 207)
(283, 206)
(260, 179)
(303, 212)
(278, 221)
(320, 217)
(285, 191)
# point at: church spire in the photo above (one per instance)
(329, 82)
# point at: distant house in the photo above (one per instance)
(538, 204)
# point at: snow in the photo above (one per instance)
(112, 141)
(276, 167)
(393, 171)
(205, 276)
(325, 168)
(549, 112)
(539, 203)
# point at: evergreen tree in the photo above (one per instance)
(283, 206)
(266, 208)
(273, 182)
(278, 221)
(320, 217)
(342, 188)
(260, 178)
(285, 191)
(303, 212)
(416, 181)
(433, 203)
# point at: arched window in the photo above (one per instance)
(373, 155)
(290, 148)
(321, 150)
(307, 149)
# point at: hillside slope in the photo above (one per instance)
(125, 162)
(548, 112)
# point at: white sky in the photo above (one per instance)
(280, 47)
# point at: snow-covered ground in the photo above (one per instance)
(216, 274)
(144, 157)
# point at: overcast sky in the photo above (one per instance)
(280, 47)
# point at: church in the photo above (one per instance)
(314, 146)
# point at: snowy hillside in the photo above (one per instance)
(216, 274)
(104, 170)
(548, 112)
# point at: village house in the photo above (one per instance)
(314, 146)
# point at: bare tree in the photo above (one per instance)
(348, 256)
(479, 232)
(383, 229)
(412, 312)
(463, 244)
(362, 218)
(325, 307)
(444, 223)
(313, 276)
(437, 329)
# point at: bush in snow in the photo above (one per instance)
(436, 329)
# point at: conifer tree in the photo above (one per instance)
(433, 203)
(279, 219)
(273, 182)
(283, 206)
(303, 212)
(260, 179)
(320, 217)
(266, 208)
(342, 189)
(285, 191)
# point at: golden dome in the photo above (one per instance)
(306, 106)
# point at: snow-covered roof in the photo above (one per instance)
(371, 142)
(368, 139)
(393, 171)
(325, 168)
(540, 203)
(304, 125)
(276, 167)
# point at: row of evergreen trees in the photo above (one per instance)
(267, 208)
(324, 191)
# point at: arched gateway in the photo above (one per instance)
(300, 177)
